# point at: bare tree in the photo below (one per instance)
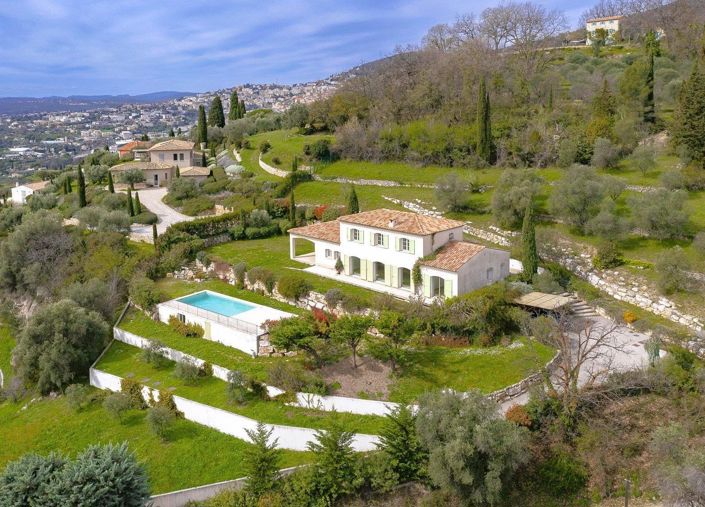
(466, 28)
(496, 24)
(588, 348)
(441, 37)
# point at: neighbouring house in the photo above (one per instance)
(612, 24)
(176, 152)
(20, 193)
(380, 248)
(131, 148)
(164, 158)
(197, 174)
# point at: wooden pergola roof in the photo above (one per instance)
(543, 301)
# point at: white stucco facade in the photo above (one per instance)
(610, 24)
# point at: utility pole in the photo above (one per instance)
(627, 491)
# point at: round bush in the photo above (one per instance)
(293, 287)
(145, 218)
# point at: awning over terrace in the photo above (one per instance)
(543, 301)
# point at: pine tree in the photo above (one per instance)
(216, 118)
(111, 185)
(261, 461)
(171, 132)
(138, 204)
(130, 208)
(234, 111)
(202, 128)
(649, 106)
(399, 442)
(689, 120)
(81, 188)
(243, 111)
(353, 204)
(530, 256)
(292, 209)
(484, 127)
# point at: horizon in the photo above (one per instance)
(63, 48)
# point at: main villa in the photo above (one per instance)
(380, 248)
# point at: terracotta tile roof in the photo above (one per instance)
(126, 148)
(194, 171)
(401, 221)
(325, 231)
(606, 18)
(453, 255)
(37, 185)
(143, 166)
(172, 144)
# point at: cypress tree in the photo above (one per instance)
(216, 118)
(689, 120)
(353, 204)
(111, 186)
(171, 132)
(81, 188)
(69, 184)
(649, 106)
(130, 208)
(66, 186)
(202, 128)
(295, 164)
(204, 160)
(178, 173)
(292, 209)
(234, 111)
(484, 127)
(138, 204)
(243, 111)
(155, 236)
(530, 256)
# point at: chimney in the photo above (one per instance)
(392, 224)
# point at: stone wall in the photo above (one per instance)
(523, 386)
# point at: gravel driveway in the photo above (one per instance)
(152, 200)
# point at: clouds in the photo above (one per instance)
(62, 47)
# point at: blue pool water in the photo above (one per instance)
(216, 303)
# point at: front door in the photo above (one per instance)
(156, 180)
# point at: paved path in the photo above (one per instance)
(630, 354)
(152, 200)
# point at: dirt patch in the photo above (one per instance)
(371, 377)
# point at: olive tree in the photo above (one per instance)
(515, 190)
(473, 452)
(577, 196)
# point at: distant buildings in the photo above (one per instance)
(20, 193)
(611, 24)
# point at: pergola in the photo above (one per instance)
(544, 302)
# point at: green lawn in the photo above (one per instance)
(286, 144)
(215, 353)
(126, 361)
(462, 369)
(171, 288)
(7, 343)
(193, 455)
(273, 254)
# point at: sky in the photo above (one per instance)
(96, 47)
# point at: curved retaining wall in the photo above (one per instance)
(288, 437)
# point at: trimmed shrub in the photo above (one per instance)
(518, 415)
(146, 218)
(133, 390)
(629, 317)
(154, 354)
(240, 271)
(265, 276)
(607, 256)
(116, 404)
(190, 330)
(206, 370)
(333, 298)
(166, 400)
(262, 232)
(293, 287)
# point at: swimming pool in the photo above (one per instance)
(214, 302)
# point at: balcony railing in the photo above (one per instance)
(231, 322)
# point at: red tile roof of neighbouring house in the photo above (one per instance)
(325, 231)
(173, 145)
(401, 221)
(453, 255)
(37, 185)
(194, 171)
(132, 145)
(141, 165)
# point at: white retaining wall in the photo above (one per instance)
(289, 437)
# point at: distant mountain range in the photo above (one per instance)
(24, 105)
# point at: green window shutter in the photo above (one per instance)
(385, 241)
(370, 271)
(349, 234)
(363, 269)
(427, 286)
(394, 279)
(388, 274)
(397, 244)
(412, 246)
(448, 287)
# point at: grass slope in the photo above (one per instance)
(7, 343)
(193, 455)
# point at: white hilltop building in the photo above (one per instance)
(378, 250)
(611, 24)
(20, 193)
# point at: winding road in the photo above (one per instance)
(152, 200)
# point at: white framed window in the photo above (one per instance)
(328, 253)
(176, 157)
(336, 255)
(490, 274)
(181, 156)
(379, 239)
(404, 244)
(355, 234)
(161, 157)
